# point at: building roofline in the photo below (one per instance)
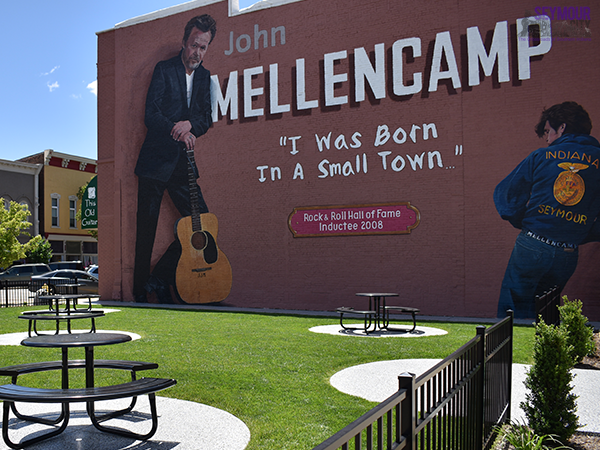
(20, 167)
(53, 154)
(234, 10)
(165, 12)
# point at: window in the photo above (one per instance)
(72, 211)
(58, 247)
(73, 247)
(90, 247)
(55, 210)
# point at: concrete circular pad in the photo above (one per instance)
(378, 380)
(182, 425)
(397, 331)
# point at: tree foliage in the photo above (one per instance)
(13, 223)
(38, 250)
(579, 335)
(550, 406)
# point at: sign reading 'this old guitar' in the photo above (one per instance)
(356, 220)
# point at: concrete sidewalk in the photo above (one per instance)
(377, 381)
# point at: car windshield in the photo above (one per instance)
(46, 275)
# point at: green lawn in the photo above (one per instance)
(267, 370)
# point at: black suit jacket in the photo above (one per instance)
(166, 104)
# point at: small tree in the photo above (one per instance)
(38, 250)
(579, 336)
(550, 406)
(13, 223)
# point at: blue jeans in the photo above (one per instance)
(533, 268)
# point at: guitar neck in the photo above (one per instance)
(194, 195)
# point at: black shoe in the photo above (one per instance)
(140, 298)
(161, 288)
(163, 293)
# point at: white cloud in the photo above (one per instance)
(93, 87)
(53, 86)
(54, 69)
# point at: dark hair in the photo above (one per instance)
(204, 23)
(575, 118)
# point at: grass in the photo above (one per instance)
(267, 370)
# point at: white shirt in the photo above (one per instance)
(189, 81)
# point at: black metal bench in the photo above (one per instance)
(370, 318)
(11, 393)
(34, 316)
(21, 369)
(401, 310)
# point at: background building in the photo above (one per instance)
(60, 180)
(333, 119)
(19, 182)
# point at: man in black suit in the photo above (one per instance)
(178, 111)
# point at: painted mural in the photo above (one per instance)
(350, 146)
(177, 112)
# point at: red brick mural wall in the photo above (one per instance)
(335, 106)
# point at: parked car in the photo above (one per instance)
(93, 269)
(23, 272)
(73, 265)
(88, 282)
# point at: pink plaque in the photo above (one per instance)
(384, 218)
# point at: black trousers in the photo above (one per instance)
(150, 194)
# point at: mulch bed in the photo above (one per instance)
(585, 441)
(588, 441)
(580, 440)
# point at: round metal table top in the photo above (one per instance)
(75, 340)
(378, 294)
(67, 296)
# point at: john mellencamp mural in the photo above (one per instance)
(177, 113)
(343, 148)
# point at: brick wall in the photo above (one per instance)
(453, 262)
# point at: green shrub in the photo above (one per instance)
(579, 335)
(550, 407)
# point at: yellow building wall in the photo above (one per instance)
(66, 183)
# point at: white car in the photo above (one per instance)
(93, 269)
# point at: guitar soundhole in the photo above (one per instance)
(199, 240)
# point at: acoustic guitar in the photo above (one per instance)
(203, 272)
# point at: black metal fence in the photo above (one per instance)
(454, 405)
(26, 292)
(546, 306)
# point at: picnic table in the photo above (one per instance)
(72, 340)
(377, 315)
(69, 288)
(12, 393)
(71, 301)
(57, 314)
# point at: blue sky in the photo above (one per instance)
(48, 56)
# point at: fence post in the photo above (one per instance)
(511, 314)
(408, 419)
(480, 416)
